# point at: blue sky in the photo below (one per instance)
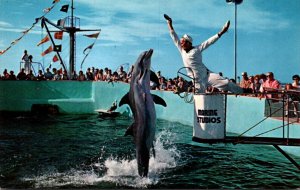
(267, 32)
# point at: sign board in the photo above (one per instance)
(209, 116)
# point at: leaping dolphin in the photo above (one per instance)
(141, 103)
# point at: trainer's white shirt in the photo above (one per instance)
(203, 77)
(193, 60)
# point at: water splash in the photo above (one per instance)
(118, 172)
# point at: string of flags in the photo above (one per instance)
(89, 48)
(64, 8)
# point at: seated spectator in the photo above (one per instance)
(262, 78)
(21, 75)
(81, 76)
(74, 76)
(115, 77)
(296, 83)
(256, 84)
(12, 76)
(158, 74)
(48, 75)
(30, 76)
(89, 74)
(170, 84)
(162, 83)
(270, 85)
(232, 80)
(5, 75)
(108, 76)
(122, 74)
(65, 75)
(58, 75)
(105, 73)
(40, 76)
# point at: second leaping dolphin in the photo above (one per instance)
(141, 102)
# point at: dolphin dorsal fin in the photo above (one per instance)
(158, 100)
(124, 100)
(153, 77)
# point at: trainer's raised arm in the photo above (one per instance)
(169, 21)
(224, 29)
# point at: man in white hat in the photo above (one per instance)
(192, 58)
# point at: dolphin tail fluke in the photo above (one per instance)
(129, 130)
(124, 100)
(158, 100)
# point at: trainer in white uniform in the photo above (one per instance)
(192, 58)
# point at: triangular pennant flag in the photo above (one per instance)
(45, 39)
(61, 22)
(50, 49)
(2, 52)
(58, 35)
(55, 1)
(89, 47)
(64, 8)
(92, 35)
(55, 58)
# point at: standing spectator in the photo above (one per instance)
(26, 60)
(245, 84)
(270, 85)
(296, 83)
(293, 98)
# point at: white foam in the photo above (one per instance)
(122, 172)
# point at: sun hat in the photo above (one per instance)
(188, 38)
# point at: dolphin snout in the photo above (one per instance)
(149, 53)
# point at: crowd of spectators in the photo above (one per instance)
(254, 85)
(176, 84)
